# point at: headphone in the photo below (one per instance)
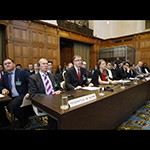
(38, 64)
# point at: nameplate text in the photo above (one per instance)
(81, 100)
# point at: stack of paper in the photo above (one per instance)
(121, 81)
(1, 95)
(91, 88)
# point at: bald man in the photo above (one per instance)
(138, 70)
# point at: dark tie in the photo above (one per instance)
(9, 80)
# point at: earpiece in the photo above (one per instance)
(38, 64)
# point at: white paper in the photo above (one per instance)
(1, 95)
(125, 81)
(81, 100)
(148, 78)
(91, 88)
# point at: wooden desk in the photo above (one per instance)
(103, 113)
(5, 99)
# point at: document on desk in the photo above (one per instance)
(125, 81)
(91, 88)
(81, 100)
(1, 95)
(148, 78)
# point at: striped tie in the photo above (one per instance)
(47, 85)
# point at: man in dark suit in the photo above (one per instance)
(76, 75)
(124, 72)
(15, 85)
(31, 71)
(38, 86)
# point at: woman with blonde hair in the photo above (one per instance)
(100, 75)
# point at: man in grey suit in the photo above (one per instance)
(138, 70)
(42, 84)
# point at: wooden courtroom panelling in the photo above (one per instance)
(140, 41)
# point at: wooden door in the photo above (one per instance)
(66, 55)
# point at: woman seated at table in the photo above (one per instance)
(100, 75)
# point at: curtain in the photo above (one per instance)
(2, 40)
(82, 50)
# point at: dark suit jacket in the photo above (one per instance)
(72, 80)
(96, 75)
(22, 75)
(36, 87)
(122, 74)
(133, 74)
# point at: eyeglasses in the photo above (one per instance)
(78, 60)
(7, 63)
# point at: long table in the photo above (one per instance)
(103, 113)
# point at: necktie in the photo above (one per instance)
(48, 86)
(79, 74)
(9, 80)
(0, 77)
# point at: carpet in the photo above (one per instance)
(139, 120)
(34, 122)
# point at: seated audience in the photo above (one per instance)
(145, 69)
(42, 84)
(1, 72)
(100, 75)
(124, 72)
(15, 85)
(36, 68)
(31, 71)
(50, 65)
(18, 66)
(108, 68)
(117, 62)
(59, 70)
(84, 64)
(76, 75)
(138, 70)
(114, 71)
(67, 67)
(132, 72)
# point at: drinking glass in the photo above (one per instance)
(135, 80)
(122, 85)
(101, 91)
(64, 102)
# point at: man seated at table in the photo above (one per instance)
(138, 70)
(76, 75)
(44, 83)
(124, 72)
(15, 85)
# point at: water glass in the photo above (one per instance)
(101, 91)
(135, 80)
(64, 102)
(122, 85)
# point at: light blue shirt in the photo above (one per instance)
(13, 84)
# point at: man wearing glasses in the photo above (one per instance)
(124, 72)
(76, 75)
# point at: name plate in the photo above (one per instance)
(81, 100)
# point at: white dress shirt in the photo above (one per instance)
(42, 76)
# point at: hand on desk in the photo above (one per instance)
(57, 92)
(91, 84)
(5, 92)
(78, 88)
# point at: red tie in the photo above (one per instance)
(79, 74)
